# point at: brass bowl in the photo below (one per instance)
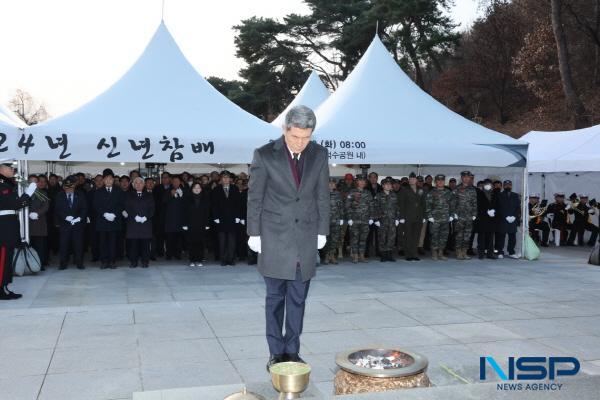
(290, 385)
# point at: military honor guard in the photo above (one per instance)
(359, 210)
(509, 206)
(387, 212)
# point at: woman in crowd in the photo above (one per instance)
(197, 212)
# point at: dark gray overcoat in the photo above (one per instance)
(288, 219)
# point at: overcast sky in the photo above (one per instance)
(65, 52)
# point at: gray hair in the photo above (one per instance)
(300, 117)
(139, 178)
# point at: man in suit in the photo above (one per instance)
(488, 217)
(509, 206)
(227, 215)
(71, 211)
(411, 212)
(139, 206)
(288, 221)
(109, 206)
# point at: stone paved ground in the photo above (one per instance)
(104, 334)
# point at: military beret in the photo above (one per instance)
(107, 172)
(69, 181)
(465, 173)
(440, 177)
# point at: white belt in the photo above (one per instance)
(7, 212)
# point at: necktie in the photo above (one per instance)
(296, 159)
(227, 191)
(140, 194)
(109, 189)
(71, 200)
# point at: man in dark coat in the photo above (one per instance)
(38, 227)
(288, 221)
(488, 218)
(227, 212)
(10, 235)
(71, 213)
(160, 192)
(174, 205)
(509, 207)
(109, 205)
(411, 207)
(139, 206)
(94, 236)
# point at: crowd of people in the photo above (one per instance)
(139, 219)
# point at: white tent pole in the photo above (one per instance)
(524, 212)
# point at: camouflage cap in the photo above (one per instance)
(420, 178)
(465, 173)
(386, 180)
(440, 177)
(412, 175)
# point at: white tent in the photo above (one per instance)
(312, 95)
(566, 161)
(9, 128)
(8, 118)
(379, 116)
(161, 111)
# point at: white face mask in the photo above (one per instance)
(487, 187)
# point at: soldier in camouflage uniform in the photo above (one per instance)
(386, 208)
(359, 211)
(439, 210)
(466, 211)
(336, 222)
(344, 187)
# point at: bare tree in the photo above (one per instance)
(574, 104)
(27, 108)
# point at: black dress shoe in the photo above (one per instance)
(80, 267)
(223, 264)
(132, 265)
(416, 259)
(294, 357)
(144, 265)
(275, 359)
(5, 296)
(103, 266)
(62, 267)
(113, 266)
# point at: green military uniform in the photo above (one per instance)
(386, 206)
(359, 210)
(343, 188)
(336, 215)
(466, 210)
(439, 210)
(411, 205)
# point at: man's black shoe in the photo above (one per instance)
(5, 296)
(80, 267)
(295, 358)
(223, 264)
(416, 259)
(62, 267)
(113, 266)
(275, 359)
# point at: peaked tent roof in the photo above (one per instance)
(568, 151)
(380, 113)
(312, 95)
(160, 95)
(8, 118)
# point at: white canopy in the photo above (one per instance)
(379, 116)
(161, 110)
(569, 151)
(8, 118)
(312, 95)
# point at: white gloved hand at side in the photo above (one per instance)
(75, 220)
(491, 213)
(397, 222)
(237, 220)
(34, 216)
(69, 218)
(350, 222)
(124, 214)
(243, 221)
(185, 228)
(377, 224)
(510, 219)
(431, 220)
(321, 240)
(138, 219)
(254, 243)
(341, 222)
(217, 221)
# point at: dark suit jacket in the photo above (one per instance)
(226, 209)
(113, 202)
(144, 207)
(411, 205)
(288, 218)
(485, 223)
(174, 212)
(509, 204)
(197, 214)
(79, 209)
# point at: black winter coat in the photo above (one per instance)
(484, 223)
(143, 207)
(197, 214)
(105, 202)
(226, 209)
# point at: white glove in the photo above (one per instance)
(321, 240)
(568, 207)
(124, 214)
(341, 222)
(424, 220)
(69, 218)
(402, 221)
(377, 223)
(456, 216)
(237, 220)
(431, 220)
(179, 192)
(185, 228)
(110, 217)
(370, 222)
(474, 217)
(208, 227)
(88, 220)
(254, 243)
(33, 216)
(592, 211)
(76, 220)
(31, 189)
(243, 221)
(144, 219)
(397, 222)
(491, 213)
(510, 219)
(350, 222)
(451, 219)
(217, 221)
(138, 219)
